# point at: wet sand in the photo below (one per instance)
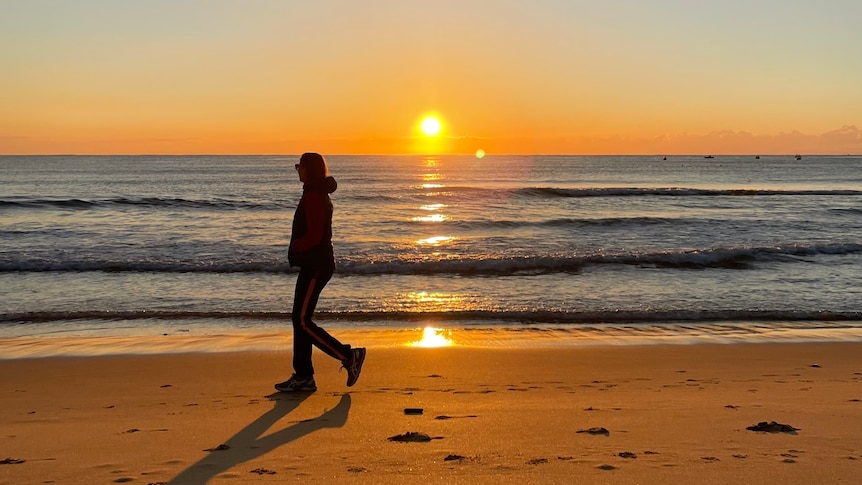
(522, 414)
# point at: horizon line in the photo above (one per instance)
(704, 154)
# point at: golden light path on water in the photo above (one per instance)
(433, 241)
(433, 338)
(430, 218)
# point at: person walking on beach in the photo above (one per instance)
(311, 250)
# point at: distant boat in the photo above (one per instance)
(799, 157)
(757, 157)
(709, 156)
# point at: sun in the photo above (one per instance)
(431, 125)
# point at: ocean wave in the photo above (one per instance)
(673, 192)
(847, 211)
(472, 317)
(543, 192)
(726, 258)
(153, 202)
(203, 266)
(569, 222)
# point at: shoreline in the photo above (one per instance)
(492, 415)
(270, 339)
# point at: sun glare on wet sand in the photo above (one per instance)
(433, 337)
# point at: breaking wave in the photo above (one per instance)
(724, 258)
(542, 192)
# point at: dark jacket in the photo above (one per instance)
(311, 235)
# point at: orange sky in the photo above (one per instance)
(342, 77)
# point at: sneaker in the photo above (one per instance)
(297, 384)
(354, 365)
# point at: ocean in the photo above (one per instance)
(628, 248)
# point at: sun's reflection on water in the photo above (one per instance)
(432, 207)
(433, 338)
(430, 218)
(435, 301)
(434, 241)
(436, 217)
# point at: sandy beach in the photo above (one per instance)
(521, 414)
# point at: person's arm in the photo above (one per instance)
(315, 216)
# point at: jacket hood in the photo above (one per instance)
(327, 185)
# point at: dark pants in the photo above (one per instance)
(306, 333)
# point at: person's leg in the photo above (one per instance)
(308, 287)
(302, 365)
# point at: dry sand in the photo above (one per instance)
(671, 414)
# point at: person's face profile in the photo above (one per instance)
(301, 171)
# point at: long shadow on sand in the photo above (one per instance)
(247, 444)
